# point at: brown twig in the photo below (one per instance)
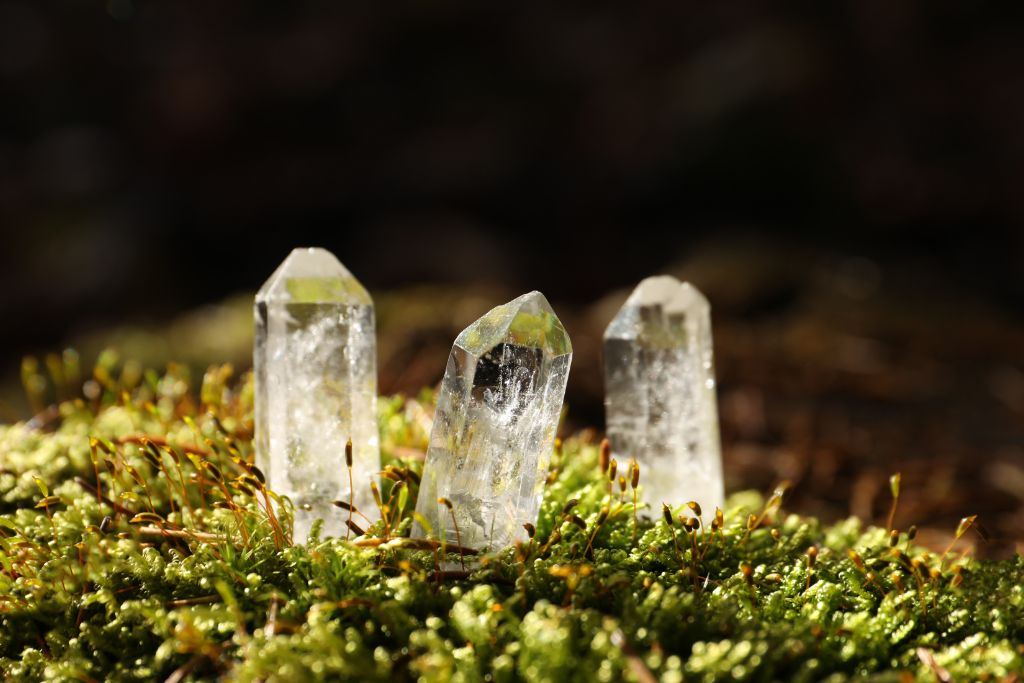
(182, 672)
(181, 533)
(99, 494)
(415, 544)
(185, 602)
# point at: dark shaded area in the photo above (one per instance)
(843, 180)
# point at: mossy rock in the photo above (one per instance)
(177, 570)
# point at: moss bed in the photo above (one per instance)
(176, 571)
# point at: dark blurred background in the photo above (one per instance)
(843, 180)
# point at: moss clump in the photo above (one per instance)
(180, 568)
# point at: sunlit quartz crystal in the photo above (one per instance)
(315, 363)
(495, 425)
(660, 393)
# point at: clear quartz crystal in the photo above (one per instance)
(315, 361)
(494, 429)
(660, 394)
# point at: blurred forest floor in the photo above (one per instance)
(833, 377)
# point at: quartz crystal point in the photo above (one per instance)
(660, 394)
(494, 429)
(315, 362)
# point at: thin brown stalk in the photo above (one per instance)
(351, 487)
(117, 507)
(185, 534)
(186, 602)
(455, 522)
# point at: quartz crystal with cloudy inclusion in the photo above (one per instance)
(315, 362)
(494, 429)
(660, 394)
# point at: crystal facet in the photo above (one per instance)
(315, 362)
(660, 393)
(495, 425)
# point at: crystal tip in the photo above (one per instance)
(526, 320)
(313, 274)
(669, 292)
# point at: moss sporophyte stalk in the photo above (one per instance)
(138, 542)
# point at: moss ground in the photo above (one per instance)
(178, 566)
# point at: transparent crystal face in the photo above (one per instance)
(315, 276)
(316, 387)
(660, 402)
(495, 425)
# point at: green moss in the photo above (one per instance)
(599, 594)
